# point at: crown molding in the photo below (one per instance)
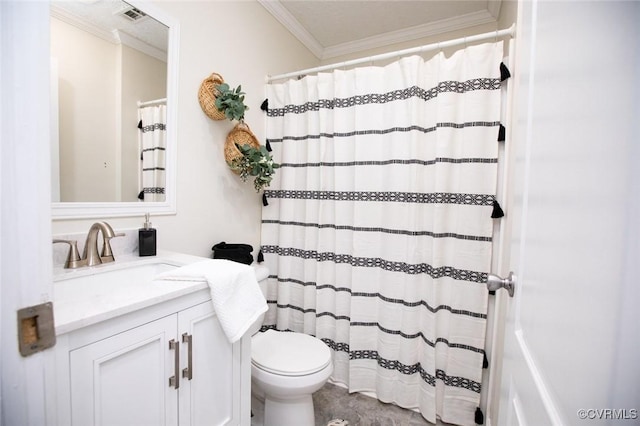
(137, 44)
(493, 7)
(277, 10)
(411, 33)
(291, 23)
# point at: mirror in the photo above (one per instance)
(113, 96)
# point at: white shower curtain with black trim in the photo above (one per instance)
(152, 137)
(378, 231)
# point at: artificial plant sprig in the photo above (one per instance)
(231, 101)
(255, 162)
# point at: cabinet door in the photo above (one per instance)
(212, 395)
(124, 379)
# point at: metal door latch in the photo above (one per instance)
(36, 329)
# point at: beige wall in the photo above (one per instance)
(86, 103)
(244, 43)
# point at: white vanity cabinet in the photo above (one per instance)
(168, 364)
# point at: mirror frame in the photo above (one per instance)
(80, 210)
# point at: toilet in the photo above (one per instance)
(286, 369)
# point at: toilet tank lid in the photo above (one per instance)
(262, 272)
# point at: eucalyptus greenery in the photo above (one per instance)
(231, 101)
(256, 162)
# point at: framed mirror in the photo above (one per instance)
(113, 109)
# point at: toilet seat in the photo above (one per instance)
(289, 354)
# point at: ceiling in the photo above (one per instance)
(108, 19)
(331, 28)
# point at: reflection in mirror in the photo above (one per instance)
(112, 82)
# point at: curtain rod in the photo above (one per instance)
(433, 46)
(148, 103)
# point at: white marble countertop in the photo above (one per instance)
(89, 295)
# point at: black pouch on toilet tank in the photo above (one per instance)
(240, 253)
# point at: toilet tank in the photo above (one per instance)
(262, 273)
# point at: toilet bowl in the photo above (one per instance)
(286, 369)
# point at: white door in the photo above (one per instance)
(25, 203)
(572, 339)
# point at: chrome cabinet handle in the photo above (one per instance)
(174, 381)
(188, 372)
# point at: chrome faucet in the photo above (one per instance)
(91, 256)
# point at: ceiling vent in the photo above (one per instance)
(131, 13)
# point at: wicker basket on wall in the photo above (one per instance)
(207, 96)
(241, 135)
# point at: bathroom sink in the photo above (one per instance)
(131, 273)
(95, 282)
(89, 295)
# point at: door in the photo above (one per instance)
(124, 379)
(25, 209)
(210, 382)
(571, 346)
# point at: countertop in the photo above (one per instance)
(89, 295)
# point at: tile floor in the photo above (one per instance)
(334, 402)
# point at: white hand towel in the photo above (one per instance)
(235, 293)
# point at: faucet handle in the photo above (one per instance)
(73, 258)
(107, 252)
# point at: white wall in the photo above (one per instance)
(244, 43)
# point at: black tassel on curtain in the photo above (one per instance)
(504, 72)
(265, 107)
(479, 416)
(497, 211)
(502, 133)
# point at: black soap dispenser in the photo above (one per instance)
(147, 238)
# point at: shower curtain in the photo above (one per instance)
(378, 228)
(152, 134)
